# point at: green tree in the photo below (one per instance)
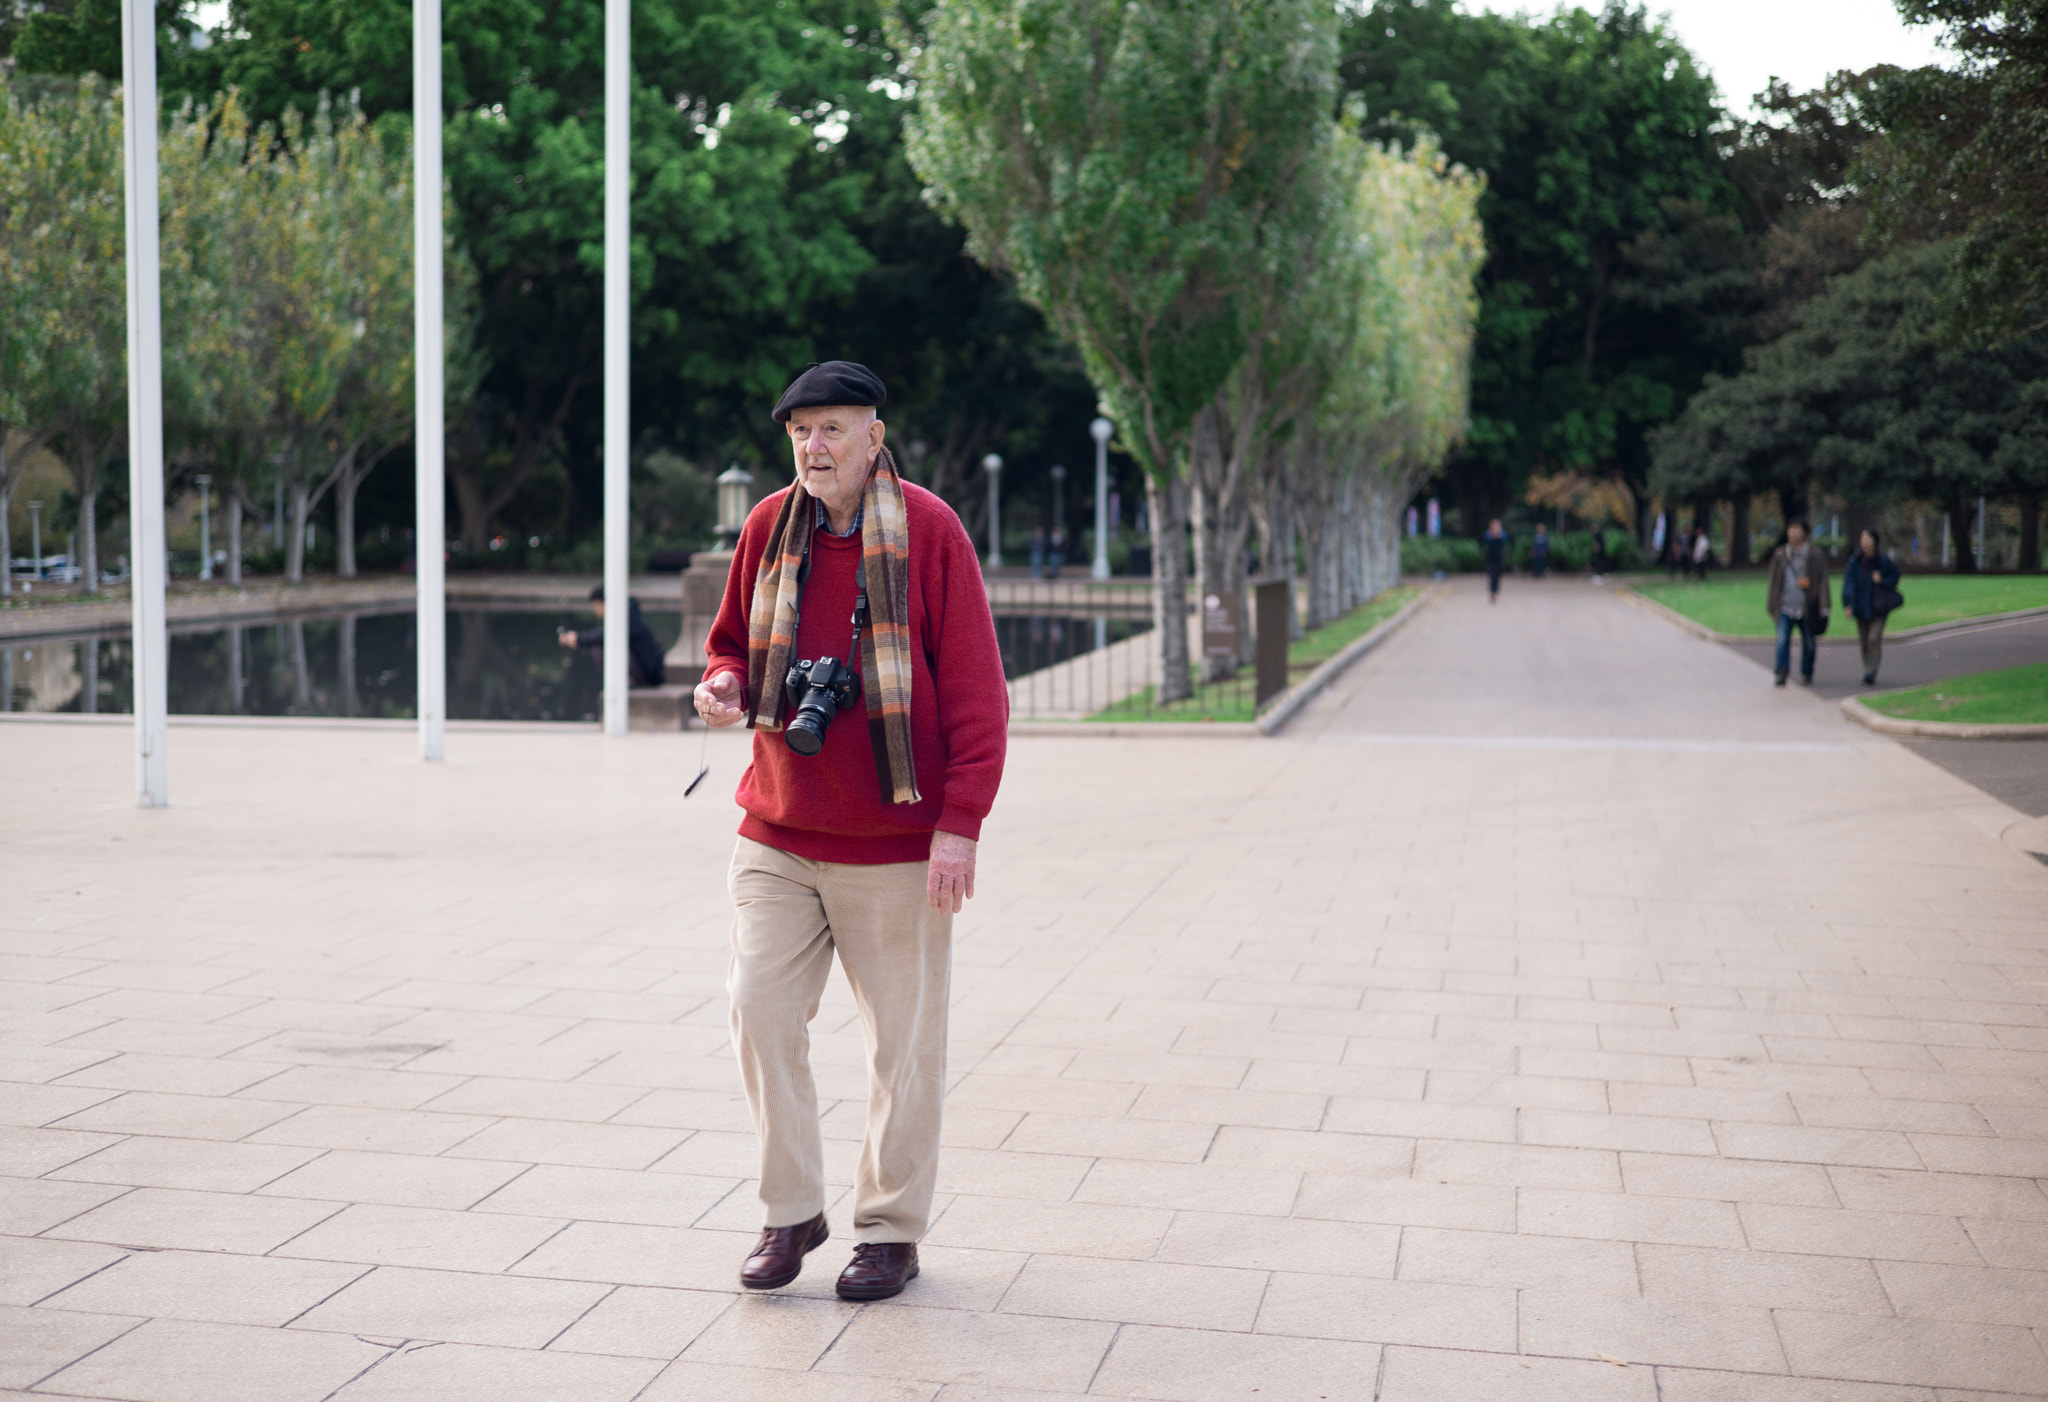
(1604, 189)
(84, 36)
(1870, 396)
(747, 173)
(1398, 399)
(1131, 167)
(1966, 155)
(63, 280)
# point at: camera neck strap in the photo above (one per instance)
(860, 612)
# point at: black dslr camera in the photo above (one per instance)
(818, 690)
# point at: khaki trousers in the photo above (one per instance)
(790, 914)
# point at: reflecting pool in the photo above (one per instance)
(503, 664)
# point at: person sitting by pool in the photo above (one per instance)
(643, 653)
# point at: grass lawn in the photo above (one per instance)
(2009, 696)
(1735, 603)
(1232, 700)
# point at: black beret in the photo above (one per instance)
(831, 382)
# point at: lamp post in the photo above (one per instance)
(205, 482)
(430, 435)
(993, 464)
(148, 641)
(1100, 431)
(618, 233)
(1059, 499)
(35, 538)
(735, 500)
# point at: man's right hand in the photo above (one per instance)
(718, 701)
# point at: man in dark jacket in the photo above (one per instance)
(1798, 599)
(643, 651)
(1870, 591)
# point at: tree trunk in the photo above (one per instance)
(235, 509)
(345, 484)
(295, 544)
(2030, 531)
(1961, 520)
(1738, 532)
(6, 539)
(1165, 503)
(89, 537)
(85, 485)
(1205, 496)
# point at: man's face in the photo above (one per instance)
(833, 446)
(1796, 534)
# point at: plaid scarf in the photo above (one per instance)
(885, 642)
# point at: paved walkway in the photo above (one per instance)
(2013, 771)
(1555, 1013)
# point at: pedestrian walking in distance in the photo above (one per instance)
(1798, 600)
(1870, 591)
(1495, 544)
(855, 638)
(1539, 553)
(1597, 561)
(1702, 554)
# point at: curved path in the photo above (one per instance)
(2013, 771)
(1554, 1013)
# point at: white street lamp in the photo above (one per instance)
(1059, 499)
(618, 233)
(430, 437)
(149, 641)
(205, 482)
(735, 500)
(993, 463)
(1100, 431)
(35, 539)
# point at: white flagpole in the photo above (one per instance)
(145, 401)
(618, 145)
(430, 370)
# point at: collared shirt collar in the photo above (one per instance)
(823, 520)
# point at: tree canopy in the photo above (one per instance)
(1867, 392)
(1604, 202)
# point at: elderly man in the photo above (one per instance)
(855, 638)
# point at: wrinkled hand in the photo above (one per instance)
(950, 874)
(566, 638)
(718, 701)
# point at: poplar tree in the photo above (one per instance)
(1132, 166)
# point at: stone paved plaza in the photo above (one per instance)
(1556, 1012)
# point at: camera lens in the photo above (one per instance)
(806, 733)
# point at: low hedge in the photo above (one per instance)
(1570, 553)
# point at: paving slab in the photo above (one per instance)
(1556, 1010)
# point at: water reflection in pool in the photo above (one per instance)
(502, 665)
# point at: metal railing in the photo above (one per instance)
(1085, 649)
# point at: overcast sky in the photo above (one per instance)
(1746, 43)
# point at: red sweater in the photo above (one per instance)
(830, 807)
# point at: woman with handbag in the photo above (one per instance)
(1870, 591)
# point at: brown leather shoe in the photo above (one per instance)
(878, 1270)
(779, 1258)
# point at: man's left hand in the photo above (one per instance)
(949, 879)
